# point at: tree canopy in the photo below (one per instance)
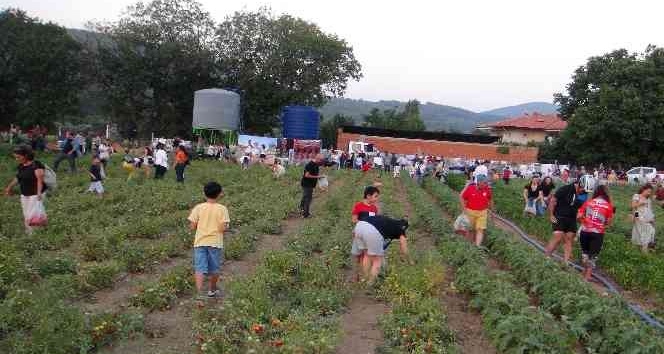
(408, 119)
(615, 110)
(40, 70)
(281, 60)
(159, 54)
(163, 51)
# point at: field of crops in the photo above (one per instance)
(633, 270)
(529, 303)
(113, 275)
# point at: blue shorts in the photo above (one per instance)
(208, 260)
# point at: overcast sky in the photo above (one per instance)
(477, 55)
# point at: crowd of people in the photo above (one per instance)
(577, 203)
(539, 198)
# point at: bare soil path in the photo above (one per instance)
(118, 296)
(359, 324)
(464, 321)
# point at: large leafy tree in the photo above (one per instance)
(281, 60)
(408, 119)
(412, 118)
(615, 110)
(152, 60)
(39, 71)
(328, 129)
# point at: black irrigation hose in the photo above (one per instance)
(607, 284)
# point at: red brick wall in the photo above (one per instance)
(440, 148)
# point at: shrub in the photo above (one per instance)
(57, 265)
(456, 181)
(101, 275)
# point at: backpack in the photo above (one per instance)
(50, 178)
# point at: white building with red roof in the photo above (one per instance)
(527, 128)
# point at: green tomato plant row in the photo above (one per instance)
(292, 302)
(620, 259)
(602, 324)
(134, 229)
(416, 322)
(511, 321)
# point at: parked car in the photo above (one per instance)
(641, 174)
(457, 170)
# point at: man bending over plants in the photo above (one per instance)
(209, 219)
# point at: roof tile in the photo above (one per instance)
(534, 121)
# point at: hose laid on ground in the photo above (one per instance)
(607, 284)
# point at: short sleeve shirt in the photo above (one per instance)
(180, 157)
(96, 172)
(390, 228)
(210, 219)
(596, 214)
(363, 210)
(26, 178)
(313, 169)
(567, 202)
(477, 198)
(547, 189)
(533, 193)
(68, 146)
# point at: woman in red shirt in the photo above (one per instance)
(361, 210)
(594, 215)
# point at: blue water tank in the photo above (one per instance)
(300, 122)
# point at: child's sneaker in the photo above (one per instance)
(214, 293)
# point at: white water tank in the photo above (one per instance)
(216, 109)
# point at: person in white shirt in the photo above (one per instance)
(336, 158)
(160, 161)
(358, 162)
(378, 161)
(104, 153)
(482, 169)
(278, 169)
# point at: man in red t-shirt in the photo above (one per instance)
(476, 199)
(367, 206)
(361, 210)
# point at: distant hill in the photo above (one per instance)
(530, 107)
(436, 117)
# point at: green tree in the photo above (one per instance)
(408, 119)
(615, 110)
(412, 118)
(277, 61)
(39, 70)
(328, 129)
(158, 55)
